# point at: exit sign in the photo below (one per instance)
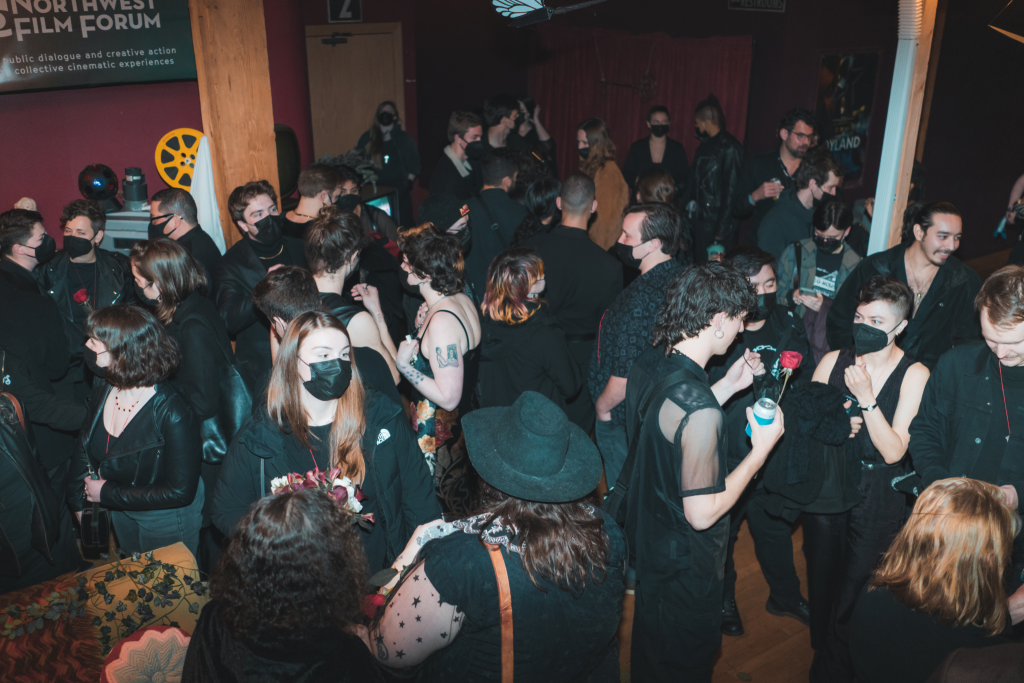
(344, 11)
(758, 5)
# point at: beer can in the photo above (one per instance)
(764, 412)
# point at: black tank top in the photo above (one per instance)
(888, 398)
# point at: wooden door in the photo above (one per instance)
(348, 80)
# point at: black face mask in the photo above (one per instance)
(347, 202)
(765, 306)
(328, 379)
(140, 293)
(825, 196)
(90, 362)
(659, 131)
(77, 246)
(701, 135)
(829, 245)
(385, 118)
(584, 152)
(625, 254)
(268, 229)
(46, 249)
(868, 339)
(412, 289)
(155, 230)
(476, 150)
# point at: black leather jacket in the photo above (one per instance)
(113, 284)
(713, 178)
(18, 459)
(154, 465)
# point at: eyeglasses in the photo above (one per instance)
(802, 137)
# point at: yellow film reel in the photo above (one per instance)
(176, 156)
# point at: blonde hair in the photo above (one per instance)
(284, 398)
(949, 559)
(510, 277)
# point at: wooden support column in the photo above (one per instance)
(913, 121)
(933, 68)
(230, 40)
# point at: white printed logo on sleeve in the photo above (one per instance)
(383, 436)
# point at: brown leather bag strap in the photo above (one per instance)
(17, 407)
(505, 600)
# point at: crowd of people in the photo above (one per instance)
(544, 392)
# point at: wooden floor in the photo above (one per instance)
(773, 649)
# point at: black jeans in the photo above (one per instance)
(677, 629)
(773, 545)
(842, 551)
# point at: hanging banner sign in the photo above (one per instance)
(47, 44)
(846, 98)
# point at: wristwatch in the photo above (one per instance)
(868, 409)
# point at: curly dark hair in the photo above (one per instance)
(435, 255)
(539, 202)
(332, 239)
(816, 166)
(142, 354)
(295, 564)
(564, 543)
(87, 208)
(698, 294)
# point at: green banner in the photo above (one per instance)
(47, 44)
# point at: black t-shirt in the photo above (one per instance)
(827, 272)
(765, 342)
(84, 278)
(293, 229)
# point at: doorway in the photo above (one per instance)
(349, 75)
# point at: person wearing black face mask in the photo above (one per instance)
(263, 248)
(456, 172)
(713, 175)
(394, 155)
(173, 215)
(789, 220)
(318, 414)
(842, 550)
(810, 282)
(770, 330)
(657, 150)
(82, 278)
(24, 245)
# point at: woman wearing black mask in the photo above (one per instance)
(597, 161)
(657, 151)
(394, 154)
(885, 385)
(318, 414)
(172, 283)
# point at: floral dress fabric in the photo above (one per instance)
(439, 435)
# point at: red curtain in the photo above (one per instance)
(569, 62)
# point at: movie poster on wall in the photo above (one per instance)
(846, 95)
(46, 44)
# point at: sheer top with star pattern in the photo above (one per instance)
(444, 618)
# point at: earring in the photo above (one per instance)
(719, 334)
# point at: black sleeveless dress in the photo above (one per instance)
(439, 432)
(843, 550)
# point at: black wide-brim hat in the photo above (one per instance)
(531, 451)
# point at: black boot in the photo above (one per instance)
(732, 625)
(799, 610)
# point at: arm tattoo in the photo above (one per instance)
(452, 361)
(413, 375)
(382, 650)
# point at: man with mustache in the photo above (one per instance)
(944, 288)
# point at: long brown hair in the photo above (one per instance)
(602, 148)
(284, 397)
(375, 146)
(949, 559)
(564, 543)
(172, 269)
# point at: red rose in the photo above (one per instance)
(81, 296)
(372, 604)
(791, 360)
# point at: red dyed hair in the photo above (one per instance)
(509, 279)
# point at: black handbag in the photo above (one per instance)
(95, 525)
(233, 409)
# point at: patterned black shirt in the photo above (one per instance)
(627, 329)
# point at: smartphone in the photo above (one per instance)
(854, 409)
